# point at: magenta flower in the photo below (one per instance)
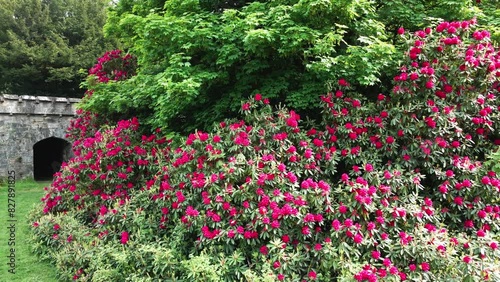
(124, 237)
(358, 238)
(312, 275)
(318, 247)
(190, 211)
(305, 230)
(494, 245)
(264, 250)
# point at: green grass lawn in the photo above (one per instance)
(28, 266)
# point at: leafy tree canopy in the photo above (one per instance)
(45, 43)
(198, 58)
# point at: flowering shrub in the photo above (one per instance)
(393, 189)
(104, 174)
(112, 66)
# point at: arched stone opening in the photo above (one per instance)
(48, 155)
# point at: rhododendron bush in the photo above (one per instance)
(391, 190)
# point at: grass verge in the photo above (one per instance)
(28, 267)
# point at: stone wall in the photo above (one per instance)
(25, 120)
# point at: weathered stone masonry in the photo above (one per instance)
(32, 132)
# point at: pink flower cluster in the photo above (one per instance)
(113, 66)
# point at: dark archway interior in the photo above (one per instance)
(48, 155)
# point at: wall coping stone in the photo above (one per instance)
(37, 105)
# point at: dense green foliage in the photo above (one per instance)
(197, 59)
(389, 189)
(45, 44)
